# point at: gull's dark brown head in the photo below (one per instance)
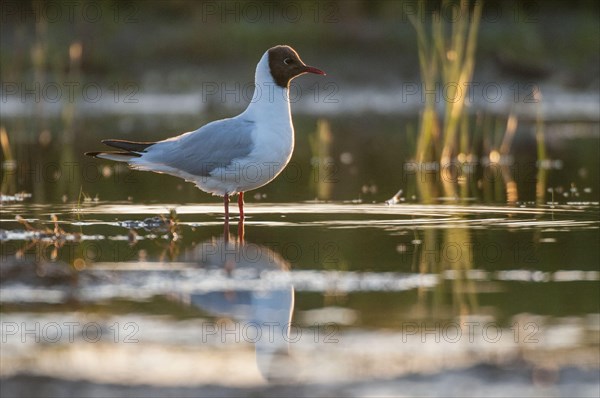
(285, 64)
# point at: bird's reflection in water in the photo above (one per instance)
(261, 312)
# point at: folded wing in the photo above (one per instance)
(215, 145)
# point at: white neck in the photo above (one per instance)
(269, 101)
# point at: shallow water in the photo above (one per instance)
(364, 158)
(317, 292)
(134, 289)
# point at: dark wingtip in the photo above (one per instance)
(92, 154)
(130, 146)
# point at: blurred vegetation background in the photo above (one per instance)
(132, 49)
(360, 41)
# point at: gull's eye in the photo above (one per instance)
(288, 61)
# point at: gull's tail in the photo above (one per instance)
(131, 149)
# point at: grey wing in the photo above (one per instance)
(212, 146)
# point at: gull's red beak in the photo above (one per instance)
(310, 69)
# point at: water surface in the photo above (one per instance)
(334, 293)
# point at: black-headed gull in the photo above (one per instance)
(235, 155)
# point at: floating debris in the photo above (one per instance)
(523, 275)
(395, 199)
(18, 197)
(159, 223)
(149, 224)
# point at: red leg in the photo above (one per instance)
(241, 205)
